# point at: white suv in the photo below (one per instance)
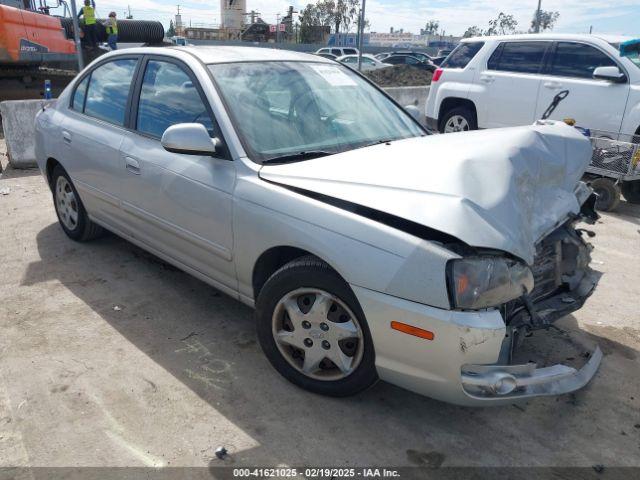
(505, 81)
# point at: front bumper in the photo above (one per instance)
(465, 362)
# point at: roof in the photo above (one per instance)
(225, 54)
(552, 36)
(209, 54)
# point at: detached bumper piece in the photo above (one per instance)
(499, 382)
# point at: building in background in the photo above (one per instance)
(232, 14)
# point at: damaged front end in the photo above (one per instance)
(563, 280)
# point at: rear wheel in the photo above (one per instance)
(459, 119)
(631, 191)
(313, 331)
(608, 194)
(71, 214)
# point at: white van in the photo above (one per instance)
(506, 81)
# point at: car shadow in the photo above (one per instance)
(207, 341)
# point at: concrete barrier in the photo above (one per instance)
(18, 123)
(410, 96)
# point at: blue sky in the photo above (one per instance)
(454, 15)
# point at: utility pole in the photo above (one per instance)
(537, 29)
(590, 29)
(76, 35)
(361, 34)
(129, 17)
(277, 28)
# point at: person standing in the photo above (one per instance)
(111, 25)
(88, 12)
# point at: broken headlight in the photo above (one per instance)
(483, 282)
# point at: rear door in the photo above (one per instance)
(178, 204)
(595, 104)
(93, 131)
(510, 83)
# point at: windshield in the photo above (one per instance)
(287, 108)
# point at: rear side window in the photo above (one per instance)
(578, 60)
(336, 52)
(169, 97)
(462, 55)
(80, 94)
(519, 57)
(109, 86)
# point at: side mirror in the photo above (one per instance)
(190, 139)
(414, 112)
(611, 74)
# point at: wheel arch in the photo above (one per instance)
(50, 165)
(450, 103)
(273, 259)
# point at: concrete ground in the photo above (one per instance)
(110, 357)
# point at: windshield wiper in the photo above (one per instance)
(297, 157)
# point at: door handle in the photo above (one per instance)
(553, 85)
(132, 165)
(487, 78)
(66, 136)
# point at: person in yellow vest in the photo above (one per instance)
(111, 26)
(89, 29)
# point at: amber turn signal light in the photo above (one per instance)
(411, 330)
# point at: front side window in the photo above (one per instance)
(109, 86)
(286, 108)
(578, 60)
(350, 51)
(169, 97)
(462, 55)
(350, 60)
(518, 57)
(336, 52)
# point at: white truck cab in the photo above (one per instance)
(505, 81)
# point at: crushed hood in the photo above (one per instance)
(502, 189)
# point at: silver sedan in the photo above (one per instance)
(369, 249)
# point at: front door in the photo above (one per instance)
(180, 205)
(595, 104)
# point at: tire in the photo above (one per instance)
(468, 120)
(631, 191)
(608, 194)
(71, 213)
(317, 295)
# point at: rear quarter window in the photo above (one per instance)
(462, 55)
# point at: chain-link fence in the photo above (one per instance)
(613, 158)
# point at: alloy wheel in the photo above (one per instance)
(457, 123)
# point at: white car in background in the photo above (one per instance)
(369, 62)
(506, 81)
(339, 51)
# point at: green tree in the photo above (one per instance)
(431, 28)
(171, 31)
(547, 20)
(313, 19)
(502, 25)
(473, 31)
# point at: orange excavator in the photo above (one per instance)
(36, 45)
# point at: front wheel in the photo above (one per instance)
(313, 331)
